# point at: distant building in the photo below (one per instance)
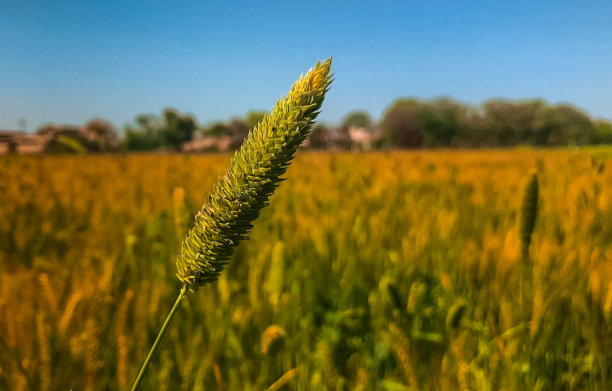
(21, 142)
(209, 144)
(354, 138)
(362, 138)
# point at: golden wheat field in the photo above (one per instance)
(369, 271)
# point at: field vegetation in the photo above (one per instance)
(368, 271)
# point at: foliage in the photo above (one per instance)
(70, 145)
(319, 136)
(358, 119)
(100, 136)
(238, 128)
(177, 128)
(511, 123)
(150, 132)
(63, 139)
(384, 270)
(440, 120)
(217, 129)
(572, 126)
(603, 132)
(399, 124)
(406, 123)
(413, 123)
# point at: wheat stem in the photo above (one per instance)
(159, 337)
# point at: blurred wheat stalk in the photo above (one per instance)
(238, 197)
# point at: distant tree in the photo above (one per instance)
(603, 132)
(177, 128)
(238, 130)
(217, 129)
(100, 135)
(510, 123)
(567, 125)
(359, 119)
(440, 120)
(400, 126)
(497, 115)
(146, 135)
(152, 132)
(63, 139)
(51, 130)
(135, 140)
(472, 131)
(253, 117)
(319, 136)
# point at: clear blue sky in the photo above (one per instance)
(69, 61)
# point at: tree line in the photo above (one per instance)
(444, 122)
(406, 123)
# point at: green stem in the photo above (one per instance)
(160, 335)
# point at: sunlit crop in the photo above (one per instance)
(387, 270)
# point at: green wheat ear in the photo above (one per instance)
(255, 170)
(238, 197)
(529, 212)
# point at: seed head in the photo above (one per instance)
(529, 213)
(273, 339)
(455, 314)
(240, 194)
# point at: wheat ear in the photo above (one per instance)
(529, 212)
(240, 194)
